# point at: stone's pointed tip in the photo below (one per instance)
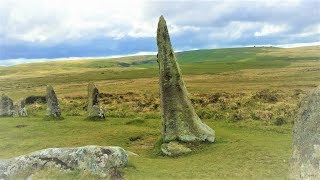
(161, 19)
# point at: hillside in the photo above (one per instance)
(198, 62)
(248, 95)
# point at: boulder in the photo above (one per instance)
(95, 160)
(94, 109)
(174, 149)
(305, 161)
(20, 109)
(53, 109)
(179, 119)
(6, 106)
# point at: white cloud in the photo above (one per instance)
(36, 25)
(234, 30)
(270, 29)
(298, 45)
(310, 31)
(58, 20)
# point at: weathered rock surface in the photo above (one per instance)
(305, 162)
(94, 109)
(6, 106)
(96, 160)
(53, 108)
(174, 149)
(20, 109)
(179, 119)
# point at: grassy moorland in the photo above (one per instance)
(248, 95)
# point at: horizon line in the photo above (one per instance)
(16, 61)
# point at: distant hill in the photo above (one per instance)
(211, 61)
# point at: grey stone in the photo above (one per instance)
(96, 160)
(94, 109)
(179, 119)
(53, 109)
(305, 161)
(20, 109)
(174, 149)
(6, 106)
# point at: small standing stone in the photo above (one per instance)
(179, 119)
(94, 109)
(20, 109)
(53, 109)
(305, 162)
(6, 106)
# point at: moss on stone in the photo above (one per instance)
(6, 106)
(174, 149)
(179, 119)
(94, 110)
(53, 107)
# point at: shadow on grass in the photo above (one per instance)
(95, 119)
(53, 118)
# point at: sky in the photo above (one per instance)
(46, 29)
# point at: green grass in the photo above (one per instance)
(223, 85)
(248, 151)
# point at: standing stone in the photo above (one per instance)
(305, 162)
(6, 106)
(94, 110)
(53, 109)
(20, 109)
(179, 119)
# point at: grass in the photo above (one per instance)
(239, 151)
(249, 96)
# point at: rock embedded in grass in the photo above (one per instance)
(53, 109)
(179, 119)
(94, 109)
(174, 149)
(305, 162)
(6, 106)
(95, 160)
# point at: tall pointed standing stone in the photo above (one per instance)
(53, 109)
(179, 119)
(94, 110)
(305, 162)
(6, 106)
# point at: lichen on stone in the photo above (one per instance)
(179, 119)
(174, 149)
(6, 106)
(94, 109)
(20, 109)
(95, 160)
(53, 107)
(305, 161)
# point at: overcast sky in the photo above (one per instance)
(88, 28)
